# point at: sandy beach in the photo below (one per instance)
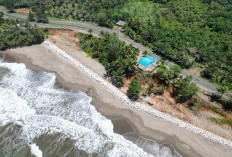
(125, 118)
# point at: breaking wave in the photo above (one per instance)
(34, 112)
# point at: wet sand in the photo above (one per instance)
(121, 126)
(125, 119)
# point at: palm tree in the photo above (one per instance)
(90, 31)
(131, 66)
(145, 53)
(222, 89)
(151, 88)
(31, 16)
(162, 61)
(102, 33)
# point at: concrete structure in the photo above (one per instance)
(147, 63)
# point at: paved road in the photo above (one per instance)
(96, 29)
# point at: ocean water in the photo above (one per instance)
(39, 119)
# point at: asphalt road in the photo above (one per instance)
(96, 30)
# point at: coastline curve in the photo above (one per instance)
(136, 105)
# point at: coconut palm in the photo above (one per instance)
(90, 31)
(162, 61)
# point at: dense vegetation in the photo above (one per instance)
(15, 33)
(185, 31)
(189, 31)
(89, 10)
(12, 4)
(183, 87)
(119, 59)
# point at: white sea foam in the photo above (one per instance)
(35, 150)
(28, 99)
(164, 150)
(65, 57)
(13, 108)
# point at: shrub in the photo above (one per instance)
(200, 106)
(212, 119)
(226, 121)
(218, 111)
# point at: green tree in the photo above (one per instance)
(162, 74)
(223, 90)
(102, 19)
(1, 19)
(31, 16)
(131, 66)
(102, 33)
(175, 71)
(134, 89)
(151, 88)
(161, 61)
(114, 48)
(145, 53)
(119, 76)
(160, 90)
(40, 16)
(90, 31)
(186, 89)
(9, 4)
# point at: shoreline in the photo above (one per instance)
(140, 106)
(144, 124)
